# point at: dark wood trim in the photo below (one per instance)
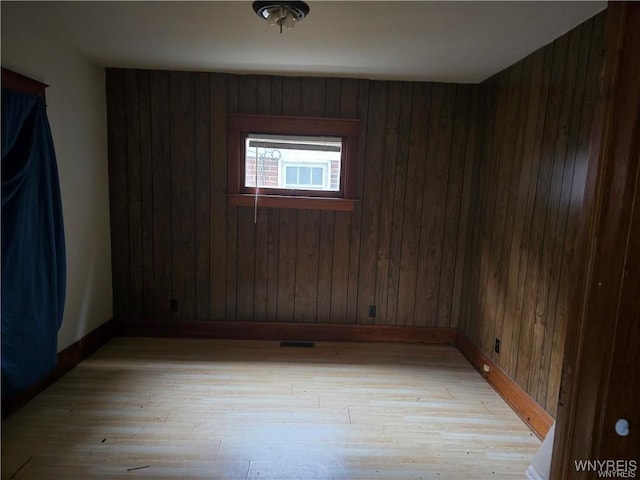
(289, 192)
(67, 360)
(349, 166)
(320, 332)
(20, 83)
(338, 127)
(301, 203)
(538, 420)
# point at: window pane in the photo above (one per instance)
(293, 162)
(292, 175)
(305, 176)
(316, 177)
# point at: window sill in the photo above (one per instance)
(301, 203)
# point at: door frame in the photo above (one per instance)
(603, 334)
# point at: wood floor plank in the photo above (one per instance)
(198, 408)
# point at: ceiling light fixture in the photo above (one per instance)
(283, 14)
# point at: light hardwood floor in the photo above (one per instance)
(191, 408)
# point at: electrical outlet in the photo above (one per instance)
(372, 310)
(497, 345)
(173, 305)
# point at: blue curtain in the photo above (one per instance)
(33, 252)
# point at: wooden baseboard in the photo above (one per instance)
(538, 420)
(67, 359)
(321, 332)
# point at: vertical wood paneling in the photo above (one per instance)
(529, 178)
(519, 183)
(246, 265)
(410, 244)
(589, 71)
(161, 155)
(434, 203)
(541, 209)
(356, 216)
(481, 172)
(183, 232)
(464, 230)
(552, 367)
(521, 346)
(202, 200)
(146, 177)
(525, 344)
(325, 264)
(507, 164)
(218, 182)
(451, 227)
(185, 243)
(232, 218)
(294, 265)
(118, 201)
(134, 191)
(370, 199)
(306, 267)
(555, 222)
(593, 44)
(486, 328)
(406, 109)
(387, 191)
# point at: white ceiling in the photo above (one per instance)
(439, 41)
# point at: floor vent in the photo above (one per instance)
(298, 344)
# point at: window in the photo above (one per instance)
(292, 162)
(311, 176)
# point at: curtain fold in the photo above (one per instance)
(33, 250)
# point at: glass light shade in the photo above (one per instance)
(275, 15)
(288, 21)
(283, 13)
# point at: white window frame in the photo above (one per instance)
(282, 178)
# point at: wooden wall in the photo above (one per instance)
(529, 175)
(600, 376)
(173, 236)
(469, 201)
